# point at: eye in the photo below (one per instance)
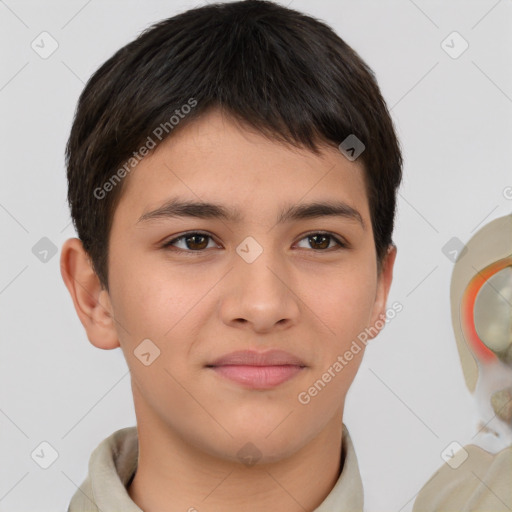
(320, 241)
(196, 241)
(193, 241)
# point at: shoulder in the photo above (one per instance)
(475, 480)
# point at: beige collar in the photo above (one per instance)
(114, 461)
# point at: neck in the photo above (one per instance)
(174, 476)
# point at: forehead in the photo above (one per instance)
(217, 159)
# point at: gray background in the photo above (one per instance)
(409, 400)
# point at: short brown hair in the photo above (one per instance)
(285, 73)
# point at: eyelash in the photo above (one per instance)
(168, 244)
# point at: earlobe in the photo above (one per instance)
(385, 278)
(91, 301)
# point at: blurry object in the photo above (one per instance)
(481, 301)
(481, 305)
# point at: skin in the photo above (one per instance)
(305, 296)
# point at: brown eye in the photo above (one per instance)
(322, 241)
(196, 241)
(191, 242)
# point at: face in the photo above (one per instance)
(259, 271)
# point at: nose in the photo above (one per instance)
(260, 295)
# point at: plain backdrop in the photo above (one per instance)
(453, 115)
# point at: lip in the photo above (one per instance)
(258, 370)
(254, 358)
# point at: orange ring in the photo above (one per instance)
(468, 304)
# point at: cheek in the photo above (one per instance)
(149, 301)
(342, 302)
(152, 305)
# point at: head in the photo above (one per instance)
(216, 213)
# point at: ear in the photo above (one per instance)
(381, 296)
(91, 300)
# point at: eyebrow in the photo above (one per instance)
(174, 208)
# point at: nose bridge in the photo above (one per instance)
(260, 291)
(258, 267)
